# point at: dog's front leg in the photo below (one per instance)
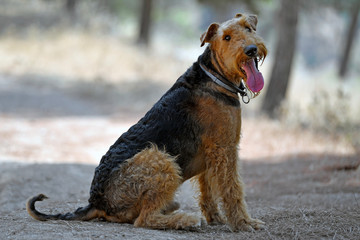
(208, 195)
(232, 192)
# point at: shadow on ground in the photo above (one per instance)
(34, 96)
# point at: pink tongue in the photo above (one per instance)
(255, 80)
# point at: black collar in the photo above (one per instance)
(223, 82)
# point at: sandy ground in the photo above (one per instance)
(301, 184)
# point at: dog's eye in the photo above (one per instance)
(248, 29)
(227, 38)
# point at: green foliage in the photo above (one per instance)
(340, 5)
(121, 8)
(174, 18)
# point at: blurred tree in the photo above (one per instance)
(349, 39)
(219, 5)
(222, 8)
(70, 7)
(351, 8)
(285, 48)
(145, 22)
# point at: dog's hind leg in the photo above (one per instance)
(161, 177)
(171, 207)
(151, 215)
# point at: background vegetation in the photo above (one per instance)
(312, 71)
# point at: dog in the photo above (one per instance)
(193, 131)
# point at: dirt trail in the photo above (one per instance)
(303, 185)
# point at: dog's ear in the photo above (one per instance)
(252, 19)
(209, 34)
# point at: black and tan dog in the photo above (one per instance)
(193, 130)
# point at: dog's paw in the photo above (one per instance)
(248, 225)
(216, 219)
(193, 223)
(256, 224)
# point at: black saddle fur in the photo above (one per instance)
(169, 124)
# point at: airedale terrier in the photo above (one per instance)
(193, 130)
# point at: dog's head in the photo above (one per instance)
(236, 50)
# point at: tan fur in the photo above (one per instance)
(150, 200)
(223, 124)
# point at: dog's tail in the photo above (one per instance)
(83, 213)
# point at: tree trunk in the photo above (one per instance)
(70, 7)
(285, 49)
(145, 22)
(349, 40)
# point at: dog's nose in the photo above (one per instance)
(250, 50)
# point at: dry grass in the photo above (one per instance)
(84, 56)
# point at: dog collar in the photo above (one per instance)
(223, 82)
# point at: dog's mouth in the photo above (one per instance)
(254, 79)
